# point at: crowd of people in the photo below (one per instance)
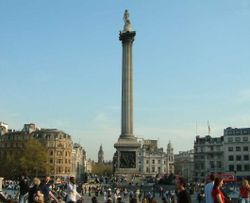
(47, 191)
(215, 194)
(44, 191)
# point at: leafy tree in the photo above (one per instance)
(102, 169)
(33, 158)
(9, 166)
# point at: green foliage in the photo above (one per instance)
(33, 158)
(9, 166)
(30, 160)
(102, 169)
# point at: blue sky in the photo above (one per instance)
(60, 67)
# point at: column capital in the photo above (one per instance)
(126, 37)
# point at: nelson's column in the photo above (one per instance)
(127, 145)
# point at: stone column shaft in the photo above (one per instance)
(127, 39)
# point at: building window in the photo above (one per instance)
(202, 166)
(147, 169)
(237, 139)
(218, 164)
(159, 169)
(153, 161)
(211, 164)
(159, 161)
(230, 139)
(51, 153)
(230, 149)
(59, 161)
(237, 148)
(246, 167)
(146, 161)
(238, 157)
(153, 169)
(230, 158)
(231, 168)
(238, 168)
(245, 139)
(51, 161)
(246, 157)
(245, 148)
(59, 153)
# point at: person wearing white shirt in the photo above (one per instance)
(208, 190)
(72, 194)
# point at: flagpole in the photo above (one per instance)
(208, 127)
(196, 129)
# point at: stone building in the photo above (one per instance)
(208, 157)
(184, 164)
(78, 161)
(237, 151)
(100, 155)
(57, 143)
(170, 158)
(153, 160)
(59, 146)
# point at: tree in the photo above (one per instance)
(102, 169)
(10, 166)
(33, 158)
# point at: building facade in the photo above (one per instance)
(208, 157)
(78, 161)
(153, 160)
(237, 151)
(58, 146)
(184, 164)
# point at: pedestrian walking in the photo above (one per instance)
(217, 194)
(45, 189)
(72, 194)
(183, 195)
(208, 190)
(34, 191)
(23, 189)
(244, 190)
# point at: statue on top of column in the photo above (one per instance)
(127, 26)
